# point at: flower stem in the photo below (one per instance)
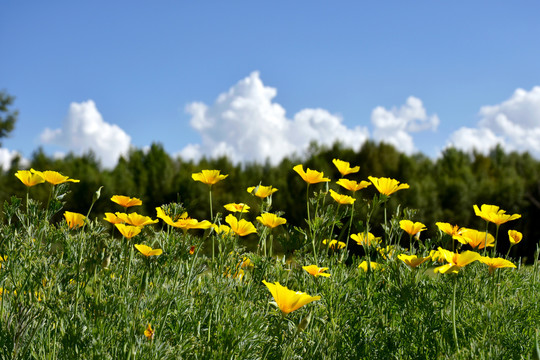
(346, 252)
(309, 223)
(211, 213)
(331, 235)
(212, 221)
(485, 240)
(129, 265)
(385, 226)
(454, 313)
(307, 203)
(79, 263)
(496, 237)
(510, 248)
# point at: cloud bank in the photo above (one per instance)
(85, 130)
(395, 126)
(245, 124)
(513, 124)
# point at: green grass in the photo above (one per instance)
(60, 302)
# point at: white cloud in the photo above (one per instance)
(481, 140)
(245, 125)
(7, 156)
(514, 124)
(84, 129)
(394, 126)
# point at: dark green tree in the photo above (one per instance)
(8, 116)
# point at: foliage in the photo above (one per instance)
(8, 117)
(86, 293)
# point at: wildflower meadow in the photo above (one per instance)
(357, 280)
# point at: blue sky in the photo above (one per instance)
(245, 78)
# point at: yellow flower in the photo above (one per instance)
(310, 176)
(453, 230)
(361, 240)
(29, 178)
(242, 227)
(496, 263)
(456, 261)
(126, 201)
(234, 207)
(334, 244)
(411, 228)
(316, 271)
(149, 332)
(344, 167)
(412, 260)
(135, 219)
(271, 220)
(186, 223)
(128, 231)
(387, 186)
(221, 229)
(53, 177)
(147, 250)
(112, 218)
(514, 237)
(435, 255)
(352, 185)
(388, 252)
(161, 214)
(209, 177)
(373, 265)
(261, 191)
(74, 220)
(288, 300)
(477, 239)
(493, 214)
(238, 274)
(342, 199)
(246, 263)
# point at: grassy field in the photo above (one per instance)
(81, 289)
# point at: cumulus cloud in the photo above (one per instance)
(514, 124)
(84, 129)
(7, 156)
(246, 125)
(395, 126)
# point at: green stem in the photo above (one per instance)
(263, 240)
(496, 237)
(211, 213)
(129, 265)
(271, 244)
(510, 248)
(27, 214)
(348, 234)
(48, 202)
(309, 223)
(331, 236)
(454, 314)
(385, 226)
(307, 203)
(350, 223)
(79, 261)
(485, 240)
